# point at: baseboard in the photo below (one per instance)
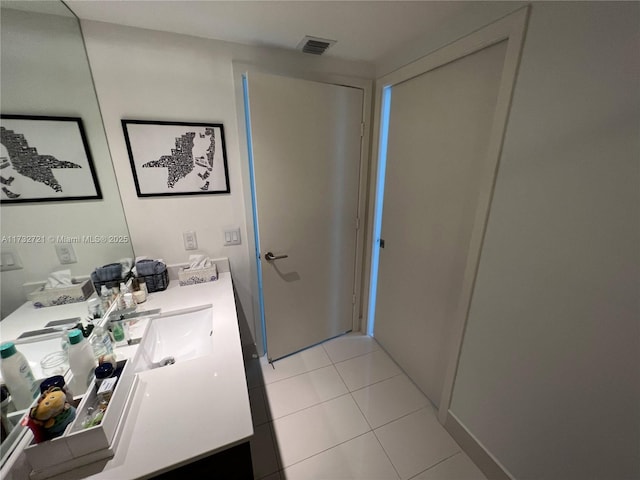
(486, 462)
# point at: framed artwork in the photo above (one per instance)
(177, 158)
(45, 159)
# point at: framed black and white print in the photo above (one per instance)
(177, 158)
(45, 159)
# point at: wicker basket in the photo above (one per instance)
(156, 282)
(111, 283)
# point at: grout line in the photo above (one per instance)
(374, 383)
(374, 434)
(356, 356)
(402, 416)
(298, 374)
(387, 454)
(308, 407)
(327, 449)
(378, 381)
(435, 464)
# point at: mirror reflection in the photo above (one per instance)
(45, 72)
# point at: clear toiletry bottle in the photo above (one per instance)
(64, 342)
(17, 376)
(142, 284)
(115, 292)
(95, 308)
(81, 359)
(101, 343)
(123, 291)
(105, 296)
(129, 302)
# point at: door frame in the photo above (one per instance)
(511, 28)
(242, 69)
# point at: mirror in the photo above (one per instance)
(45, 72)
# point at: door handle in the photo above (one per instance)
(271, 257)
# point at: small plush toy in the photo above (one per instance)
(51, 415)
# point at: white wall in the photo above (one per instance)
(548, 379)
(149, 75)
(45, 72)
(469, 17)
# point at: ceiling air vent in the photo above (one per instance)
(315, 45)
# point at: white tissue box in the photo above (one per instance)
(188, 276)
(50, 297)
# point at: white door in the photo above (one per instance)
(306, 139)
(440, 126)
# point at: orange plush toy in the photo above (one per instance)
(51, 415)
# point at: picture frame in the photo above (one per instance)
(177, 158)
(44, 159)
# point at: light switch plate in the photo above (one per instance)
(190, 240)
(232, 237)
(66, 253)
(10, 261)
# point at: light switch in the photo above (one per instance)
(232, 237)
(66, 253)
(190, 240)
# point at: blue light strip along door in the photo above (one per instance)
(377, 215)
(254, 205)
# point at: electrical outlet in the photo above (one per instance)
(66, 254)
(10, 261)
(190, 240)
(232, 237)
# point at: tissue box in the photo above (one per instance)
(51, 297)
(187, 276)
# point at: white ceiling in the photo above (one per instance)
(364, 30)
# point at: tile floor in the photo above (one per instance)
(345, 410)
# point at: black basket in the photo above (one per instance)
(156, 282)
(111, 283)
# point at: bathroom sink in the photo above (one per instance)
(174, 337)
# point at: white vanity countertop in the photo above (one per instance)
(188, 410)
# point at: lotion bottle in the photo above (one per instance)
(17, 376)
(81, 359)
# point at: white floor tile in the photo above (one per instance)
(458, 467)
(311, 431)
(416, 442)
(349, 346)
(302, 362)
(257, 400)
(360, 458)
(367, 369)
(263, 452)
(389, 400)
(303, 391)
